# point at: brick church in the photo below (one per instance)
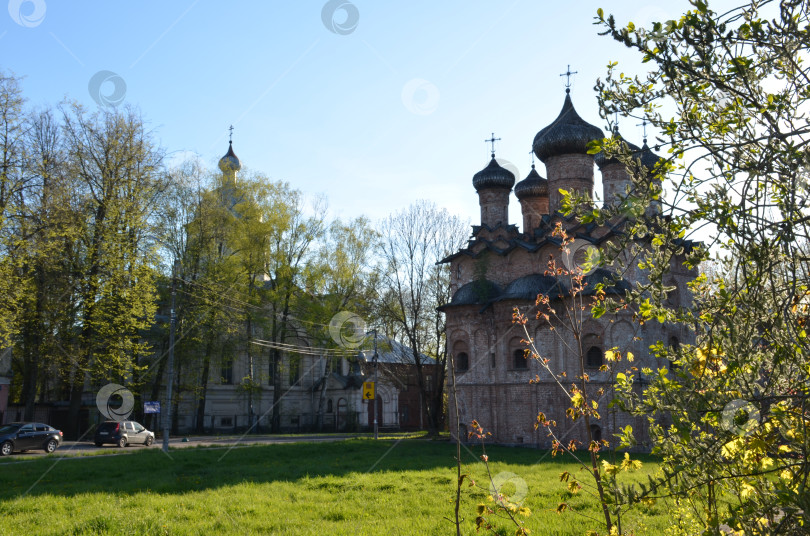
(503, 267)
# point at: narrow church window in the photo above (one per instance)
(458, 272)
(329, 406)
(596, 433)
(593, 359)
(333, 365)
(226, 373)
(520, 360)
(462, 362)
(492, 360)
(295, 370)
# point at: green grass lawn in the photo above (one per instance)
(354, 487)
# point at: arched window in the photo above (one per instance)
(462, 362)
(596, 433)
(519, 359)
(329, 406)
(593, 359)
(461, 352)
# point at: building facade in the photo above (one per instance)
(503, 268)
(321, 391)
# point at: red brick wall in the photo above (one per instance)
(494, 204)
(568, 172)
(615, 181)
(533, 209)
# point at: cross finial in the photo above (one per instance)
(567, 74)
(532, 153)
(492, 140)
(230, 138)
(643, 125)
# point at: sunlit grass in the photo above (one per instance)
(353, 487)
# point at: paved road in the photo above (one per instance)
(78, 448)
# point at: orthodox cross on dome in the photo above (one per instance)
(643, 125)
(492, 140)
(230, 137)
(567, 74)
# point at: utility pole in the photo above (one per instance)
(376, 390)
(167, 422)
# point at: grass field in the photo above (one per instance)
(355, 487)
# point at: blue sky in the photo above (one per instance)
(383, 103)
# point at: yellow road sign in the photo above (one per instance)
(368, 390)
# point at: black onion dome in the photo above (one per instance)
(229, 162)
(493, 176)
(568, 134)
(602, 160)
(532, 186)
(529, 286)
(648, 158)
(612, 283)
(476, 292)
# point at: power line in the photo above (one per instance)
(256, 307)
(306, 350)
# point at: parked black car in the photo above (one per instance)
(122, 434)
(22, 436)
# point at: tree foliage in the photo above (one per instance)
(729, 94)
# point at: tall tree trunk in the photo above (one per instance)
(201, 400)
(157, 383)
(275, 423)
(74, 409)
(322, 395)
(176, 396)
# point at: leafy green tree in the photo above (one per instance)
(116, 167)
(290, 248)
(341, 277)
(47, 226)
(729, 94)
(11, 186)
